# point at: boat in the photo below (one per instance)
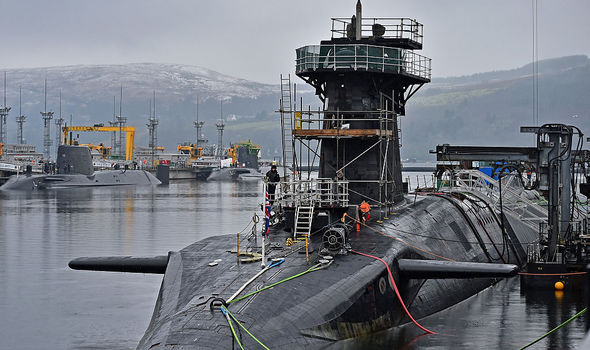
(75, 169)
(241, 165)
(204, 166)
(348, 253)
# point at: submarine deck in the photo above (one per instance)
(348, 298)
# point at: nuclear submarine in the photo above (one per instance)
(348, 253)
(75, 169)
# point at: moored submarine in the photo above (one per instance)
(348, 253)
(75, 169)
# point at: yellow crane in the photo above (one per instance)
(129, 135)
(194, 152)
(104, 151)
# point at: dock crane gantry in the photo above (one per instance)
(129, 135)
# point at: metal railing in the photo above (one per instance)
(391, 28)
(320, 192)
(344, 120)
(513, 196)
(362, 57)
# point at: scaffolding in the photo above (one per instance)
(311, 128)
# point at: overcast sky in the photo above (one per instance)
(256, 39)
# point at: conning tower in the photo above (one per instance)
(364, 75)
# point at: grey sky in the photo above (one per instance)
(256, 39)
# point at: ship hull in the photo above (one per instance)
(98, 179)
(351, 297)
(235, 174)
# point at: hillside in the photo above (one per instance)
(489, 108)
(485, 108)
(88, 91)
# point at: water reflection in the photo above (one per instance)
(44, 305)
(501, 317)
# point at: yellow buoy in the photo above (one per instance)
(559, 285)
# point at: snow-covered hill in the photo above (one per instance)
(88, 92)
(98, 82)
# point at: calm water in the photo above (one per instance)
(45, 305)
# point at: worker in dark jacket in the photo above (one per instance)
(272, 178)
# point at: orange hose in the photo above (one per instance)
(552, 274)
(396, 291)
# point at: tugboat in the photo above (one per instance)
(348, 253)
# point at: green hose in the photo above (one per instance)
(311, 269)
(225, 312)
(244, 328)
(554, 329)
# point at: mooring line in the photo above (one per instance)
(554, 329)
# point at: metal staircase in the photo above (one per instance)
(287, 124)
(303, 218)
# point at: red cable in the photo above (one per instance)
(396, 291)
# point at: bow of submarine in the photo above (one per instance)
(351, 297)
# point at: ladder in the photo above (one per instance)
(287, 124)
(303, 218)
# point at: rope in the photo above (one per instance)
(311, 269)
(554, 329)
(243, 327)
(225, 313)
(399, 297)
(399, 240)
(552, 274)
(270, 265)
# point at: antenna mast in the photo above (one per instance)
(220, 126)
(153, 131)
(20, 119)
(58, 123)
(199, 126)
(114, 123)
(47, 116)
(3, 113)
(121, 121)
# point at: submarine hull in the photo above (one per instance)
(97, 179)
(235, 174)
(351, 297)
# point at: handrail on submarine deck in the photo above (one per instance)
(322, 192)
(512, 193)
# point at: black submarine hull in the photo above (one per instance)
(351, 297)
